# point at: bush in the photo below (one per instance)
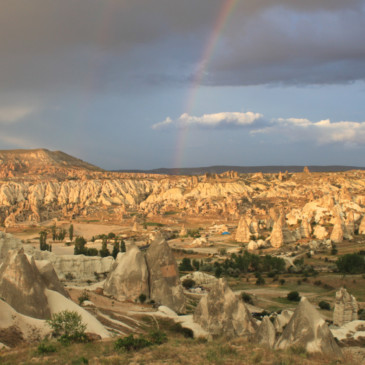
(361, 313)
(46, 347)
(186, 332)
(188, 283)
(247, 298)
(324, 305)
(130, 342)
(142, 298)
(293, 296)
(67, 326)
(84, 296)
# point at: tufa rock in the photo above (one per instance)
(243, 233)
(22, 286)
(277, 237)
(222, 313)
(164, 282)
(337, 232)
(346, 308)
(282, 320)
(309, 330)
(128, 278)
(362, 226)
(265, 335)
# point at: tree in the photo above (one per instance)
(293, 296)
(115, 249)
(80, 248)
(104, 252)
(351, 263)
(67, 326)
(43, 246)
(71, 232)
(185, 265)
(54, 232)
(122, 246)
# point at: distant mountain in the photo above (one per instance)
(41, 162)
(243, 169)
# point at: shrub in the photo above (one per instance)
(67, 326)
(69, 276)
(260, 280)
(188, 283)
(84, 296)
(247, 298)
(282, 281)
(186, 332)
(46, 347)
(142, 298)
(324, 305)
(130, 343)
(361, 313)
(293, 296)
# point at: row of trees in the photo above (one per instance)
(59, 234)
(81, 249)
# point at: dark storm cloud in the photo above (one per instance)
(73, 45)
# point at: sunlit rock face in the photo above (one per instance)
(346, 308)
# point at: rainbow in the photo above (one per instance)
(203, 64)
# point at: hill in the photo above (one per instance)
(244, 169)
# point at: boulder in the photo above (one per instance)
(164, 281)
(309, 330)
(22, 286)
(222, 313)
(252, 246)
(128, 278)
(243, 233)
(320, 232)
(265, 334)
(346, 308)
(350, 334)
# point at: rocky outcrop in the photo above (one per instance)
(320, 232)
(309, 330)
(305, 229)
(337, 232)
(282, 320)
(50, 277)
(22, 286)
(362, 226)
(164, 281)
(221, 313)
(8, 242)
(346, 308)
(243, 233)
(277, 237)
(128, 278)
(201, 279)
(265, 334)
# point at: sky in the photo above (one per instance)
(146, 84)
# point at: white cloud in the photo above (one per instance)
(14, 114)
(294, 129)
(224, 119)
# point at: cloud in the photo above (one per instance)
(217, 120)
(15, 114)
(293, 129)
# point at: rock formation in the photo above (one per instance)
(337, 232)
(265, 334)
(362, 226)
(346, 308)
(128, 278)
(320, 232)
(164, 282)
(243, 233)
(22, 287)
(282, 320)
(305, 229)
(201, 279)
(221, 313)
(277, 237)
(309, 330)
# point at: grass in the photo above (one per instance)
(177, 350)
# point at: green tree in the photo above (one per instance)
(293, 296)
(54, 232)
(80, 248)
(104, 252)
(122, 246)
(115, 249)
(351, 263)
(185, 265)
(43, 246)
(71, 232)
